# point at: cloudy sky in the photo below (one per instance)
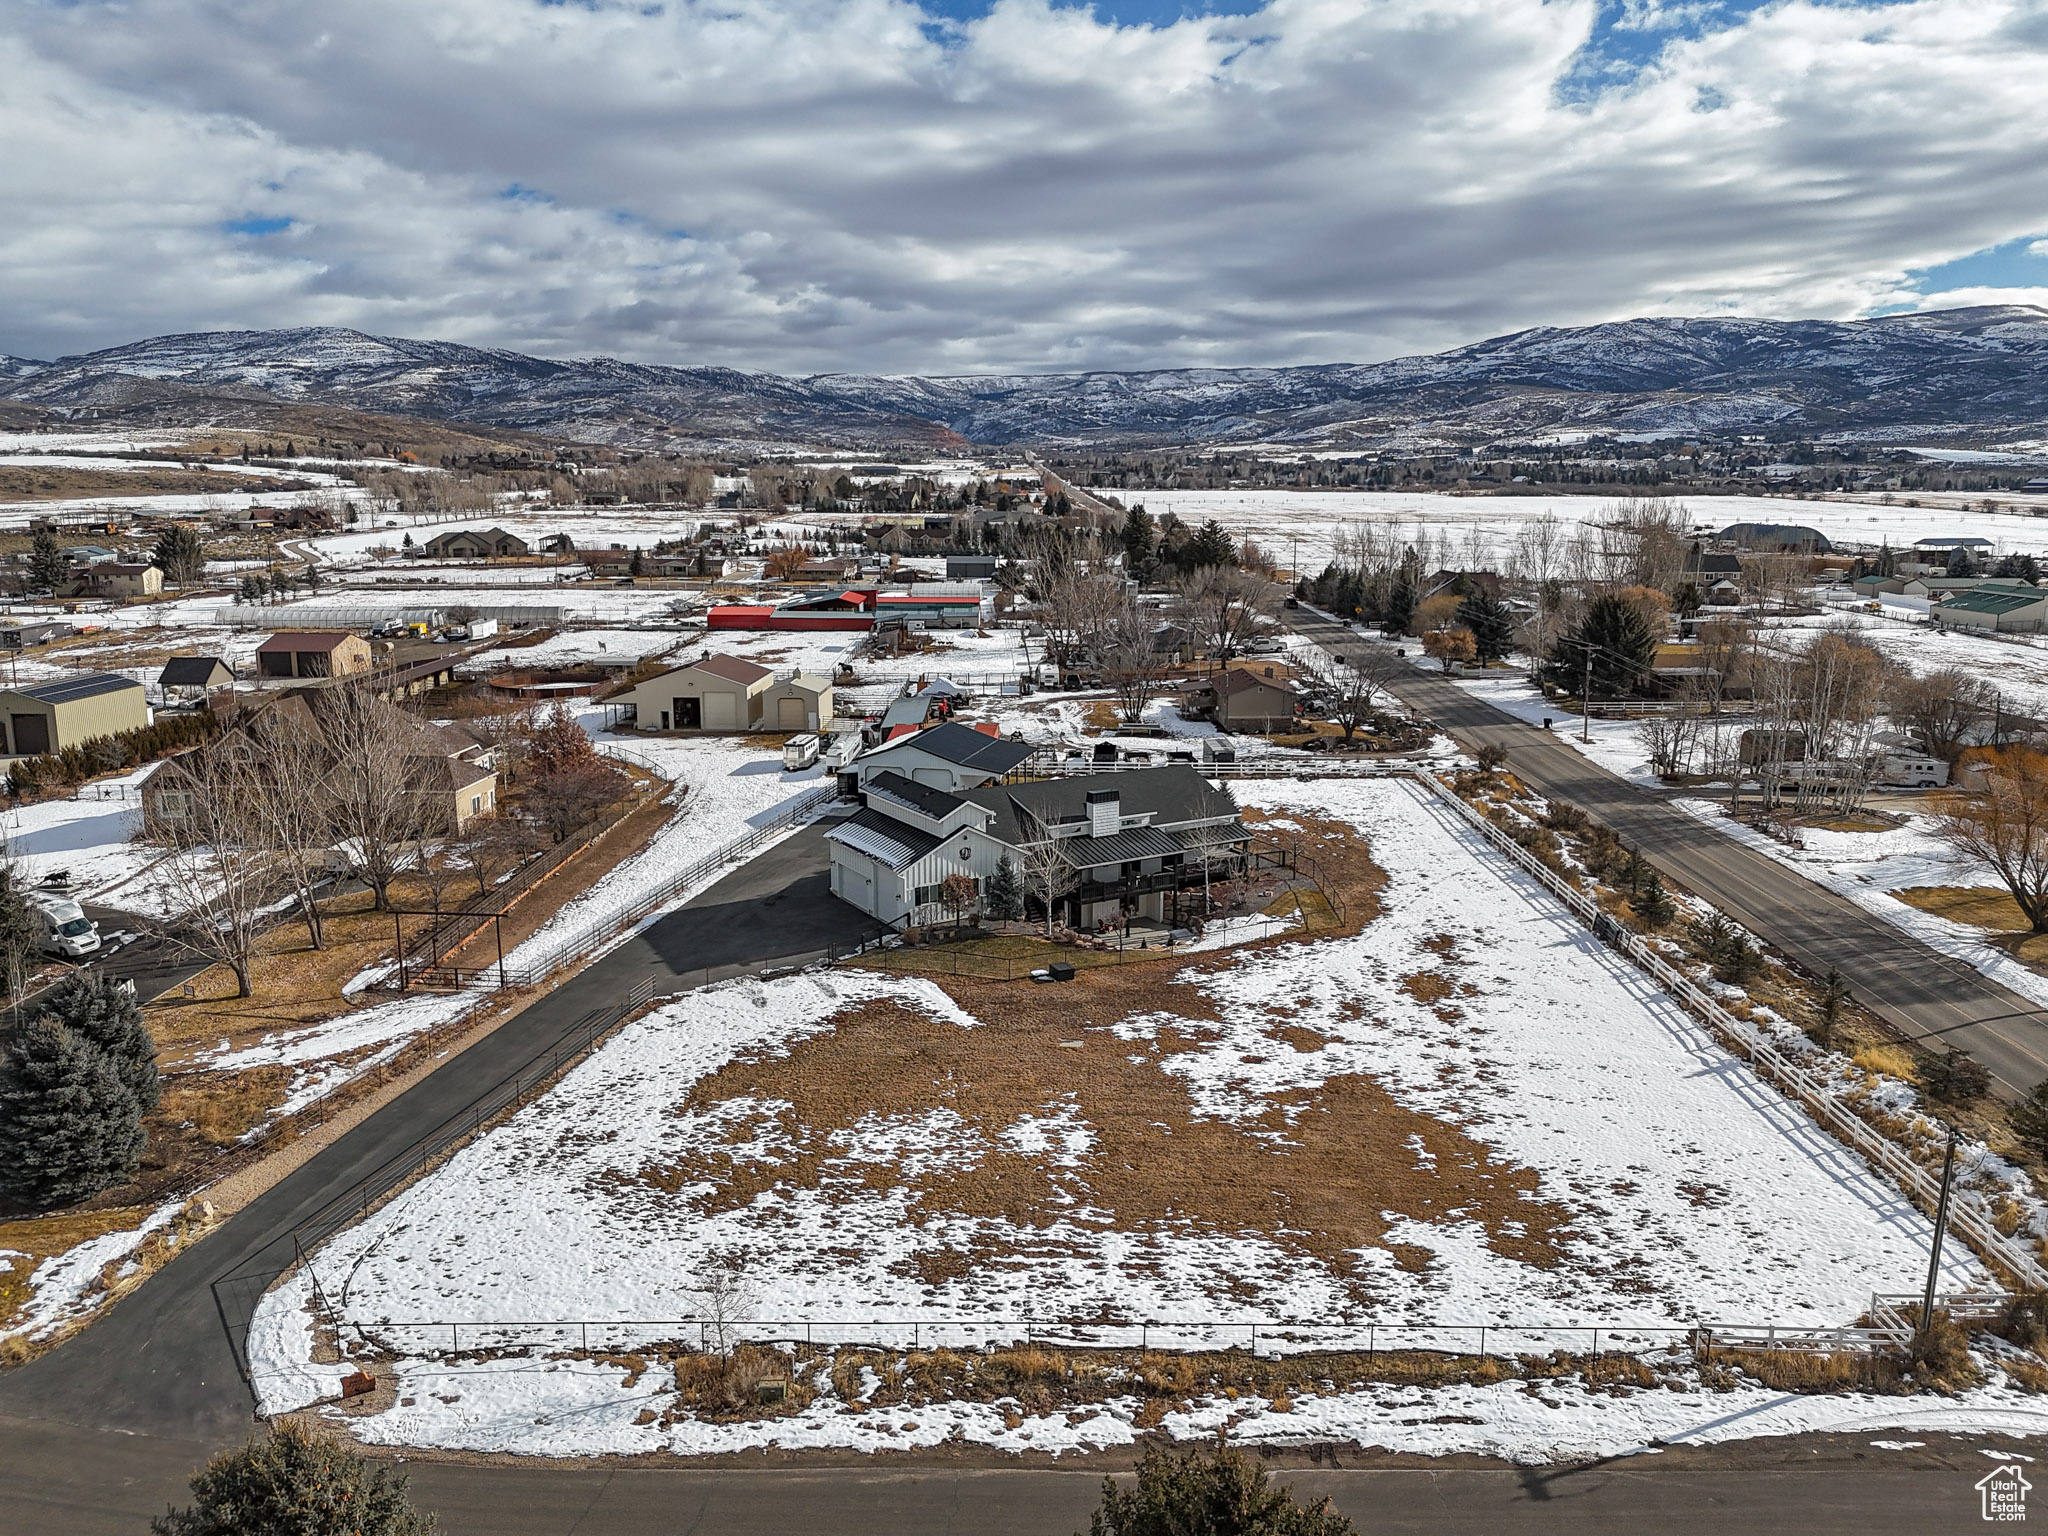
(873, 185)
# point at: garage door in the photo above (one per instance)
(31, 734)
(719, 714)
(789, 713)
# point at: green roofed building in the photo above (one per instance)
(2004, 609)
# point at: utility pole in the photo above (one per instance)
(1586, 710)
(1948, 1173)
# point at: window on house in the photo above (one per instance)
(476, 804)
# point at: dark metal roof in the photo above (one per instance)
(190, 671)
(78, 688)
(965, 747)
(883, 838)
(1137, 843)
(924, 798)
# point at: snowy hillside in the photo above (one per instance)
(1983, 368)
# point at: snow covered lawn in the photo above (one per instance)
(1467, 1111)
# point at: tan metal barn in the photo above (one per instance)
(53, 716)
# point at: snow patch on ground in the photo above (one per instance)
(64, 1286)
(1695, 1193)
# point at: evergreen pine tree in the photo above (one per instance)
(20, 933)
(1492, 625)
(1653, 903)
(294, 1483)
(1834, 997)
(638, 565)
(71, 1127)
(1139, 539)
(1003, 896)
(1959, 561)
(1400, 614)
(47, 563)
(180, 554)
(101, 1010)
(1210, 546)
(1617, 638)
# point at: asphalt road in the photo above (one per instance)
(160, 1362)
(1925, 995)
(60, 1481)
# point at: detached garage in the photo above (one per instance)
(719, 693)
(54, 716)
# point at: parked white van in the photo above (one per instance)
(66, 929)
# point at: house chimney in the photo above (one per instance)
(1105, 813)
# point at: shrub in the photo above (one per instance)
(1199, 1493)
(2024, 1320)
(1563, 816)
(2029, 1120)
(1491, 757)
(291, 1483)
(81, 761)
(1953, 1078)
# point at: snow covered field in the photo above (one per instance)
(1277, 519)
(1516, 1128)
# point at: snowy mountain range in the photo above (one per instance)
(1976, 374)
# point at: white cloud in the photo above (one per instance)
(834, 184)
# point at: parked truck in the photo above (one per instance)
(66, 930)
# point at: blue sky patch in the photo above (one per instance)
(257, 226)
(2021, 263)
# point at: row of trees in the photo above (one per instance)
(345, 782)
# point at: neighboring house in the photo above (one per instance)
(1703, 566)
(834, 568)
(474, 544)
(120, 578)
(313, 653)
(1121, 845)
(719, 693)
(951, 757)
(1254, 698)
(2000, 609)
(21, 636)
(52, 716)
(192, 679)
(1721, 594)
(456, 773)
(90, 554)
(802, 702)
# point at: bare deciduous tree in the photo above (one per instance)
(219, 871)
(290, 799)
(1945, 709)
(1223, 604)
(1049, 871)
(2005, 824)
(1133, 660)
(380, 809)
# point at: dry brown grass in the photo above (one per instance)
(1317, 1170)
(1989, 908)
(42, 1237)
(1893, 1060)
